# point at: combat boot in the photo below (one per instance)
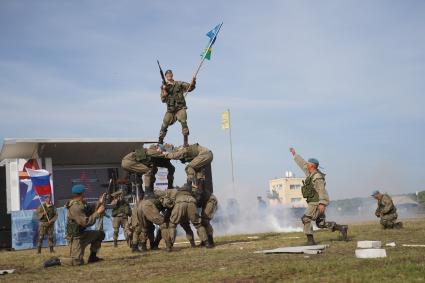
(343, 229)
(185, 140)
(211, 240)
(115, 243)
(135, 248)
(310, 240)
(344, 232)
(144, 247)
(52, 262)
(93, 258)
(168, 246)
(398, 225)
(39, 250)
(161, 140)
(208, 245)
(192, 243)
(52, 250)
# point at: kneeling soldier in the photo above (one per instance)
(387, 211)
(80, 216)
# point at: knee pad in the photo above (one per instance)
(184, 124)
(101, 235)
(305, 219)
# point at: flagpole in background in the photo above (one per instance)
(207, 52)
(226, 125)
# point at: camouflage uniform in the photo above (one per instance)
(185, 210)
(198, 159)
(146, 161)
(44, 227)
(315, 193)
(387, 212)
(149, 213)
(173, 96)
(80, 216)
(133, 228)
(208, 206)
(120, 212)
(168, 200)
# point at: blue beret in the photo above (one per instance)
(314, 161)
(78, 189)
(374, 193)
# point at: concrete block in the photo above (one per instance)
(316, 249)
(371, 253)
(369, 244)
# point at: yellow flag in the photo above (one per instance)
(225, 120)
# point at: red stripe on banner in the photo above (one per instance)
(43, 190)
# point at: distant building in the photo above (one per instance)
(286, 191)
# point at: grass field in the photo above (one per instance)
(233, 260)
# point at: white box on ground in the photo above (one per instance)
(371, 253)
(369, 244)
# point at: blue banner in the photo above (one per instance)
(25, 229)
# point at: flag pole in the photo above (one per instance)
(231, 151)
(44, 209)
(203, 59)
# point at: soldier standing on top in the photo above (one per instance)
(172, 93)
(317, 198)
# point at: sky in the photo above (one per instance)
(341, 81)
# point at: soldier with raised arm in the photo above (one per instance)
(172, 94)
(314, 191)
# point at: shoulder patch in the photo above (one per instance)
(317, 176)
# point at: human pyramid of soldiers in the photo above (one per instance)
(165, 208)
(177, 205)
